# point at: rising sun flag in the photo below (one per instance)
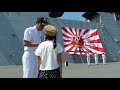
(81, 41)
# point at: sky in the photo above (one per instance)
(73, 16)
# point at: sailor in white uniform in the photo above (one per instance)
(32, 37)
(104, 58)
(96, 58)
(88, 58)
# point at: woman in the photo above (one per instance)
(49, 55)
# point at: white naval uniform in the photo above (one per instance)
(96, 58)
(29, 59)
(88, 59)
(104, 58)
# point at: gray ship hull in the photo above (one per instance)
(13, 24)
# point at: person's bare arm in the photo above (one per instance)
(59, 59)
(30, 44)
(39, 62)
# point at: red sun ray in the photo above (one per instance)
(71, 31)
(85, 31)
(69, 50)
(66, 30)
(66, 36)
(93, 34)
(95, 41)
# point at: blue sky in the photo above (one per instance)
(73, 16)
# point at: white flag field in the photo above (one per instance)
(81, 41)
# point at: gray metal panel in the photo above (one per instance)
(13, 24)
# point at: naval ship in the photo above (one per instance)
(13, 24)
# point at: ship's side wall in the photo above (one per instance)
(109, 31)
(110, 37)
(13, 24)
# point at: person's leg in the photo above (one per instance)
(104, 61)
(96, 61)
(88, 61)
(35, 74)
(28, 65)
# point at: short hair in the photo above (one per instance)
(42, 20)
